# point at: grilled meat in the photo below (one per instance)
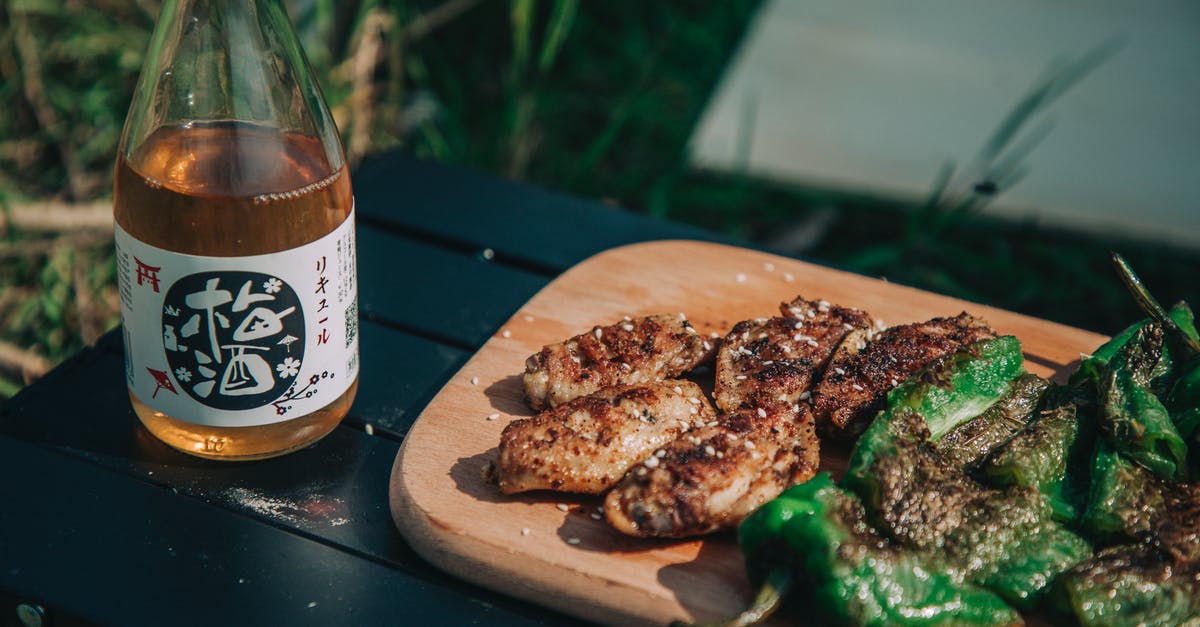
(712, 478)
(587, 444)
(773, 360)
(628, 352)
(857, 380)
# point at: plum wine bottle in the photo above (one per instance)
(235, 238)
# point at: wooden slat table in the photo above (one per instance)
(100, 523)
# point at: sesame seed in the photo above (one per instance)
(528, 318)
(677, 389)
(369, 428)
(714, 423)
(804, 396)
(740, 377)
(694, 410)
(627, 319)
(493, 416)
(707, 345)
(812, 314)
(562, 507)
(799, 325)
(685, 425)
(651, 462)
(626, 367)
(572, 541)
(787, 276)
(506, 333)
(598, 332)
(693, 400)
(488, 253)
(839, 371)
(474, 380)
(741, 278)
(798, 337)
(857, 387)
(600, 508)
(762, 413)
(714, 335)
(749, 444)
(660, 453)
(812, 342)
(769, 267)
(682, 316)
(720, 455)
(627, 327)
(768, 362)
(597, 517)
(710, 450)
(754, 455)
(525, 531)
(733, 437)
(879, 324)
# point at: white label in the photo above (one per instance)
(240, 341)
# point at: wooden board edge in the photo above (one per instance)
(479, 562)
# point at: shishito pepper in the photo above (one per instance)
(947, 393)
(1132, 418)
(1051, 454)
(849, 572)
(969, 444)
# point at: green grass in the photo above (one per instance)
(594, 99)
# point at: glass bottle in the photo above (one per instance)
(235, 238)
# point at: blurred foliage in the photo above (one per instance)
(594, 99)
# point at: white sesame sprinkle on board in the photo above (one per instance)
(524, 531)
(562, 507)
(879, 324)
(769, 267)
(714, 335)
(488, 253)
(741, 277)
(528, 318)
(572, 541)
(506, 333)
(474, 380)
(493, 416)
(369, 428)
(682, 316)
(627, 319)
(787, 276)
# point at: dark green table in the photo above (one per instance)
(101, 523)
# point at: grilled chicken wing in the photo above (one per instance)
(712, 478)
(587, 444)
(773, 360)
(859, 375)
(632, 351)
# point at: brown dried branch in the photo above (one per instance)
(59, 216)
(367, 54)
(27, 363)
(427, 22)
(35, 93)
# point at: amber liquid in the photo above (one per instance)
(226, 190)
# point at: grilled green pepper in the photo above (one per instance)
(853, 575)
(1132, 418)
(1095, 364)
(945, 394)
(1132, 585)
(969, 444)
(1052, 454)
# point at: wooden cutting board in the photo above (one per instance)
(551, 549)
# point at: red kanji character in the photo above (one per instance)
(147, 273)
